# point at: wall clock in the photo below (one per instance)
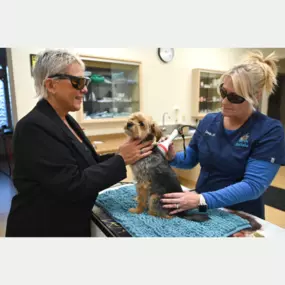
(166, 54)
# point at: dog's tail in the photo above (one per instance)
(193, 217)
(254, 225)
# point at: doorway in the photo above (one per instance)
(276, 101)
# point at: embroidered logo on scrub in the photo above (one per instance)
(243, 141)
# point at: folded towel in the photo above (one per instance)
(117, 203)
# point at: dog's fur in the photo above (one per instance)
(153, 174)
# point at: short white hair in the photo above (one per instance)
(51, 62)
(256, 73)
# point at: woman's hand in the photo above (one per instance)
(132, 150)
(180, 201)
(171, 151)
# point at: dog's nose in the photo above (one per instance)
(129, 125)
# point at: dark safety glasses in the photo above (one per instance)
(77, 82)
(232, 97)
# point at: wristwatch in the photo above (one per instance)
(203, 207)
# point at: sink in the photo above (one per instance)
(170, 128)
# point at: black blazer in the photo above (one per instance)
(57, 179)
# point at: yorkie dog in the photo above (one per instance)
(153, 174)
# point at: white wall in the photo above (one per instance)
(163, 85)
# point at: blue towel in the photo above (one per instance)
(117, 203)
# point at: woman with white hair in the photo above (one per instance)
(57, 173)
(240, 150)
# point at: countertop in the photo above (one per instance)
(111, 142)
(107, 143)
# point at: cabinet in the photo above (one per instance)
(205, 95)
(114, 91)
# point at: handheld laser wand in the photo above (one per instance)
(164, 146)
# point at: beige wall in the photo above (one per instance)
(163, 85)
(280, 52)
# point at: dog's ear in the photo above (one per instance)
(156, 131)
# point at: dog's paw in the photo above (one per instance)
(152, 213)
(135, 211)
(168, 217)
(157, 214)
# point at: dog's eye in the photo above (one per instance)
(141, 124)
(129, 125)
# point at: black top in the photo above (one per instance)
(57, 177)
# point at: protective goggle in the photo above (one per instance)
(77, 82)
(232, 97)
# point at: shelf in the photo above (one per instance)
(105, 120)
(114, 101)
(209, 88)
(200, 116)
(118, 93)
(205, 86)
(112, 83)
(210, 102)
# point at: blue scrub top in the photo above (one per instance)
(223, 155)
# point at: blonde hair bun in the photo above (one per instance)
(268, 65)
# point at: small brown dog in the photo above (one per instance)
(153, 173)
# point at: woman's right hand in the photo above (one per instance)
(171, 150)
(132, 150)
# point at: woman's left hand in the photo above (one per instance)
(180, 201)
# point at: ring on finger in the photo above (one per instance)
(177, 206)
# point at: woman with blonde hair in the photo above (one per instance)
(240, 150)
